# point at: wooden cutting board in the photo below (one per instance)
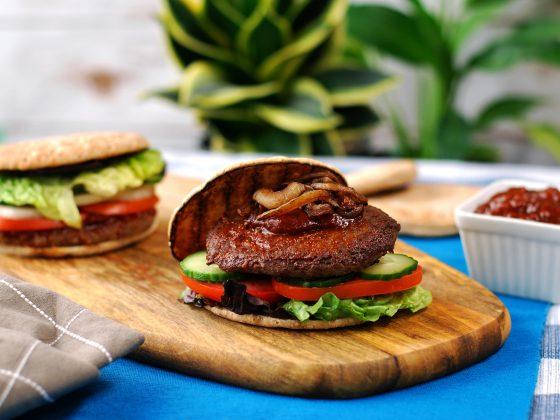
(139, 286)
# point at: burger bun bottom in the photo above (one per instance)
(292, 324)
(77, 250)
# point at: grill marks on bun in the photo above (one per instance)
(229, 192)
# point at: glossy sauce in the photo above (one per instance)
(520, 203)
(298, 221)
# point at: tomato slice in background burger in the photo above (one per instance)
(106, 208)
(350, 289)
(20, 225)
(261, 289)
(120, 207)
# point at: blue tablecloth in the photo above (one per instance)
(499, 387)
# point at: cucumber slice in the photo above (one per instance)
(195, 266)
(389, 267)
(318, 282)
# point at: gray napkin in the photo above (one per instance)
(50, 345)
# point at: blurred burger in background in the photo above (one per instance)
(77, 195)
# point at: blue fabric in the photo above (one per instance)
(499, 387)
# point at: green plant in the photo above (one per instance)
(271, 75)
(435, 44)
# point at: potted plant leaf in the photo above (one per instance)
(271, 76)
(435, 43)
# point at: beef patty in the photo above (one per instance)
(236, 246)
(95, 230)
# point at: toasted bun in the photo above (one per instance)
(228, 191)
(425, 209)
(383, 177)
(292, 324)
(78, 250)
(52, 152)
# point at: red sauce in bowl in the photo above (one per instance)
(521, 203)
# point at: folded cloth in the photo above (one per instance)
(50, 345)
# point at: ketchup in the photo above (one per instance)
(521, 203)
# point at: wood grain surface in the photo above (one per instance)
(139, 286)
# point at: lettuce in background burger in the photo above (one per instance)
(286, 243)
(77, 195)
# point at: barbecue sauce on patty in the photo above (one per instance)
(298, 221)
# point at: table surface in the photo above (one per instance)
(521, 379)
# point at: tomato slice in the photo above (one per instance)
(261, 289)
(350, 289)
(107, 208)
(19, 225)
(213, 291)
(119, 207)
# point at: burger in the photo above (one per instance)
(286, 243)
(77, 195)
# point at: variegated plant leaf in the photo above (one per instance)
(204, 86)
(308, 110)
(262, 33)
(236, 137)
(272, 140)
(223, 16)
(348, 85)
(245, 7)
(186, 30)
(169, 94)
(331, 12)
(249, 73)
(360, 116)
(357, 121)
(282, 7)
(275, 65)
(326, 54)
(240, 114)
(181, 56)
(294, 53)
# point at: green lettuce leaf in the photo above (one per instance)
(53, 196)
(329, 307)
(131, 172)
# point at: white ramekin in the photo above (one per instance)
(512, 256)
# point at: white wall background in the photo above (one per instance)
(74, 65)
(71, 65)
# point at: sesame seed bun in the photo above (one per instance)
(72, 149)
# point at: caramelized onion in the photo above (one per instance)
(340, 188)
(344, 209)
(302, 200)
(350, 212)
(273, 199)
